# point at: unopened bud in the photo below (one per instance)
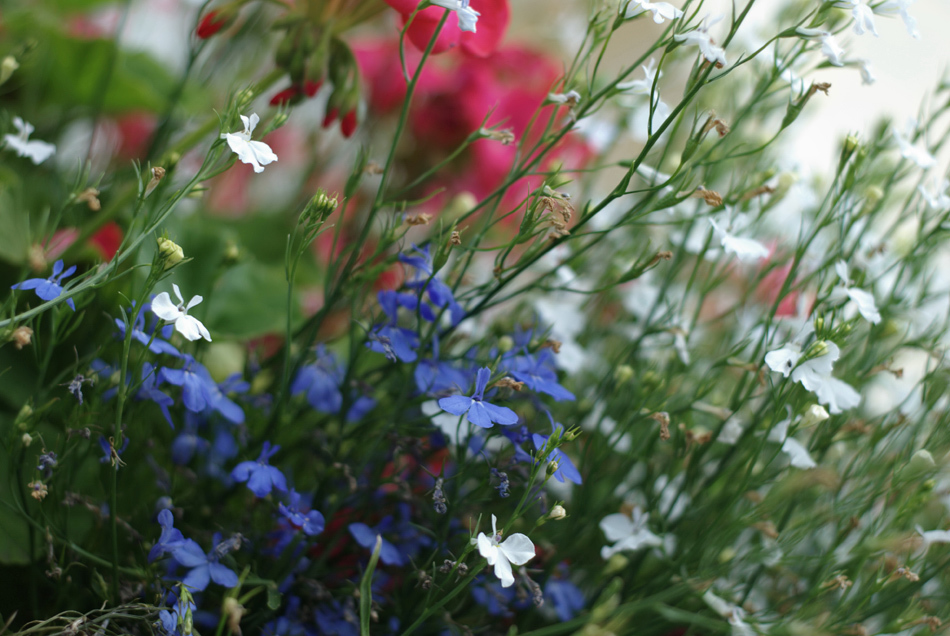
(90, 196)
(7, 67)
(505, 344)
(158, 173)
(322, 205)
(21, 337)
(557, 513)
(170, 252)
(623, 374)
(27, 439)
(851, 143)
(552, 467)
(505, 136)
(872, 196)
(814, 414)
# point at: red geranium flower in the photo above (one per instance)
(493, 19)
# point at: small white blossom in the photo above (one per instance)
(918, 154)
(863, 300)
(732, 613)
(933, 536)
(517, 549)
(892, 7)
(661, 10)
(745, 249)
(571, 98)
(862, 14)
(829, 45)
(467, 16)
(701, 38)
(37, 151)
(938, 199)
(797, 453)
(815, 375)
(188, 326)
(627, 534)
(642, 86)
(256, 153)
(867, 73)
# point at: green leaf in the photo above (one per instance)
(366, 588)
(250, 300)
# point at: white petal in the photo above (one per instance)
(837, 394)
(262, 152)
(780, 431)
(617, 526)
(503, 572)
(177, 293)
(517, 548)
(486, 549)
(782, 360)
(866, 305)
(188, 326)
(164, 308)
(745, 249)
(841, 268)
(195, 300)
(934, 536)
(797, 454)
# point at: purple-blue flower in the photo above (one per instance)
(537, 371)
(49, 288)
(171, 538)
(321, 382)
(149, 339)
(205, 567)
(199, 391)
(260, 476)
(566, 598)
(311, 522)
(480, 413)
(565, 467)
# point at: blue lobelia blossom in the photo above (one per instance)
(361, 406)
(423, 280)
(406, 542)
(565, 467)
(395, 342)
(47, 462)
(171, 538)
(439, 378)
(199, 390)
(149, 338)
(497, 600)
(297, 512)
(537, 371)
(566, 597)
(111, 454)
(205, 567)
(480, 413)
(172, 619)
(187, 443)
(366, 537)
(338, 619)
(149, 391)
(260, 476)
(321, 382)
(49, 288)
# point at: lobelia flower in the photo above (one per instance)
(188, 326)
(171, 538)
(205, 567)
(661, 10)
(732, 613)
(311, 522)
(260, 476)
(745, 249)
(863, 300)
(627, 533)
(829, 45)
(918, 154)
(797, 453)
(199, 390)
(321, 382)
(516, 549)
(37, 151)
(467, 16)
(861, 13)
(892, 7)
(49, 288)
(567, 598)
(815, 375)
(938, 199)
(479, 412)
(155, 344)
(645, 87)
(255, 153)
(700, 37)
(933, 536)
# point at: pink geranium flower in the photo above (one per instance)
(483, 38)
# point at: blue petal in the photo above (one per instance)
(456, 404)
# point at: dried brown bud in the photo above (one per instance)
(158, 173)
(21, 337)
(767, 528)
(721, 127)
(418, 219)
(818, 86)
(663, 419)
(372, 168)
(751, 194)
(90, 196)
(38, 490)
(509, 383)
(840, 582)
(553, 345)
(506, 136)
(660, 256)
(711, 197)
(456, 238)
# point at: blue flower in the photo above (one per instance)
(261, 477)
(537, 371)
(336, 619)
(199, 391)
(171, 538)
(148, 391)
(49, 288)
(423, 278)
(396, 343)
(480, 413)
(497, 600)
(406, 539)
(110, 453)
(566, 597)
(321, 382)
(311, 522)
(205, 567)
(366, 537)
(149, 339)
(565, 467)
(439, 378)
(171, 619)
(47, 463)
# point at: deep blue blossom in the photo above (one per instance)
(150, 338)
(566, 598)
(361, 406)
(205, 567)
(479, 412)
(49, 288)
(423, 279)
(111, 454)
(402, 541)
(260, 476)
(148, 390)
(338, 619)
(321, 382)
(538, 373)
(436, 377)
(199, 390)
(497, 600)
(171, 538)
(395, 342)
(298, 513)
(170, 619)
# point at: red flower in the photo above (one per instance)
(213, 22)
(492, 24)
(348, 124)
(107, 240)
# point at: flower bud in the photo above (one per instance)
(169, 252)
(7, 67)
(212, 23)
(557, 513)
(322, 205)
(872, 196)
(814, 414)
(27, 439)
(571, 434)
(505, 344)
(21, 337)
(23, 417)
(623, 374)
(552, 467)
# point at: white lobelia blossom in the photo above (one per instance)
(627, 534)
(938, 199)
(661, 10)
(517, 549)
(732, 613)
(746, 250)
(918, 154)
(862, 14)
(863, 300)
(815, 374)
(700, 37)
(256, 153)
(867, 72)
(642, 86)
(37, 151)
(467, 16)
(797, 453)
(188, 326)
(933, 536)
(899, 7)
(829, 45)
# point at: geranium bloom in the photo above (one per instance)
(49, 288)
(255, 153)
(517, 549)
(492, 17)
(627, 533)
(37, 151)
(188, 326)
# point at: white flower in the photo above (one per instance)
(862, 299)
(829, 45)
(815, 375)
(37, 151)
(862, 14)
(627, 533)
(891, 7)
(188, 326)
(732, 613)
(467, 16)
(867, 73)
(661, 10)
(701, 38)
(797, 453)
(571, 98)
(933, 536)
(918, 154)
(642, 86)
(938, 199)
(517, 549)
(744, 249)
(256, 153)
